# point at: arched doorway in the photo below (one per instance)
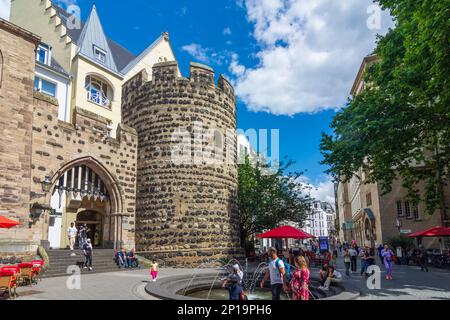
(94, 223)
(85, 192)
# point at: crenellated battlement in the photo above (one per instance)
(164, 73)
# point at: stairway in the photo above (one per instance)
(102, 261)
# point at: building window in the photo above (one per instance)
(100, 54)
(369, 199)
(45, 86)
(416, 213)
(98, 91)
(43, 54)
(399, 209)
(408, 210)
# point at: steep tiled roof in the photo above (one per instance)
(122, 56)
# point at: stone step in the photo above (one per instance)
(60, 260)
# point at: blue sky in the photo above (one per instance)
(292, 62)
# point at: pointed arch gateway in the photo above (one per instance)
(82, 183)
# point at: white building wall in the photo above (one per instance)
(62, 90)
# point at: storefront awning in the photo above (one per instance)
(369, 214)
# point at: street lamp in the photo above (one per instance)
(46, 184)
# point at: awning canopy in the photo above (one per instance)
(369, 214)
(6, 223)
(286, 232)
(437, 231)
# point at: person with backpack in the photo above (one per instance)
(277, 273)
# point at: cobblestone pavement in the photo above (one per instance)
(409, 283)
(124, 285)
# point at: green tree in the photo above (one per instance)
(403, 115)
(265, 200)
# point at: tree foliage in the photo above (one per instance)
(265, 200)
(402, 118)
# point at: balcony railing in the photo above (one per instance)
(99, 98)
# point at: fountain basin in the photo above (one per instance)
(197, 286)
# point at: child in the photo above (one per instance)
(154, 270)
(234, 289)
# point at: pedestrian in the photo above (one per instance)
(277, 274)
(72, 233)
(363, 257)
(300, 280)
(154, 270)
(328, 274)
(388, 257)
(235, 290)
(87, 250)
(83, 234)
(120, 260)
(132, 260)
(235, 272)
(333, 260)
(423, 259)
(380, 248)
(347, 261)
(353, 255)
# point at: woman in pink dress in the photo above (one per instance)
(300, 280)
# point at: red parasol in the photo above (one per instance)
(286, 232)
(6, 223)
(432, 232)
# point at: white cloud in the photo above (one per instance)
(5, 7)
(227, 31)
(235, 67)
(322, 190)
(310, 53)
(197, 51)
(207, 55)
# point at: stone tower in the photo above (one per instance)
(186, 206)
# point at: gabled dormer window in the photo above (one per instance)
(43, 54)
(99, 54)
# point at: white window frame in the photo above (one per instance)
(101, 98)
(102, 53)
(416, 213)
(48, 53)
(408, 211)
(400, 212)
(39, 88)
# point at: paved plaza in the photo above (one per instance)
(409, 283)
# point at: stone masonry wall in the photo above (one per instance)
(16, 107)
(57, 144)
(35, 144)
(186, 213)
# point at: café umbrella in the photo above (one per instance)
(437, 231)
(6, 223)
(285, 232)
